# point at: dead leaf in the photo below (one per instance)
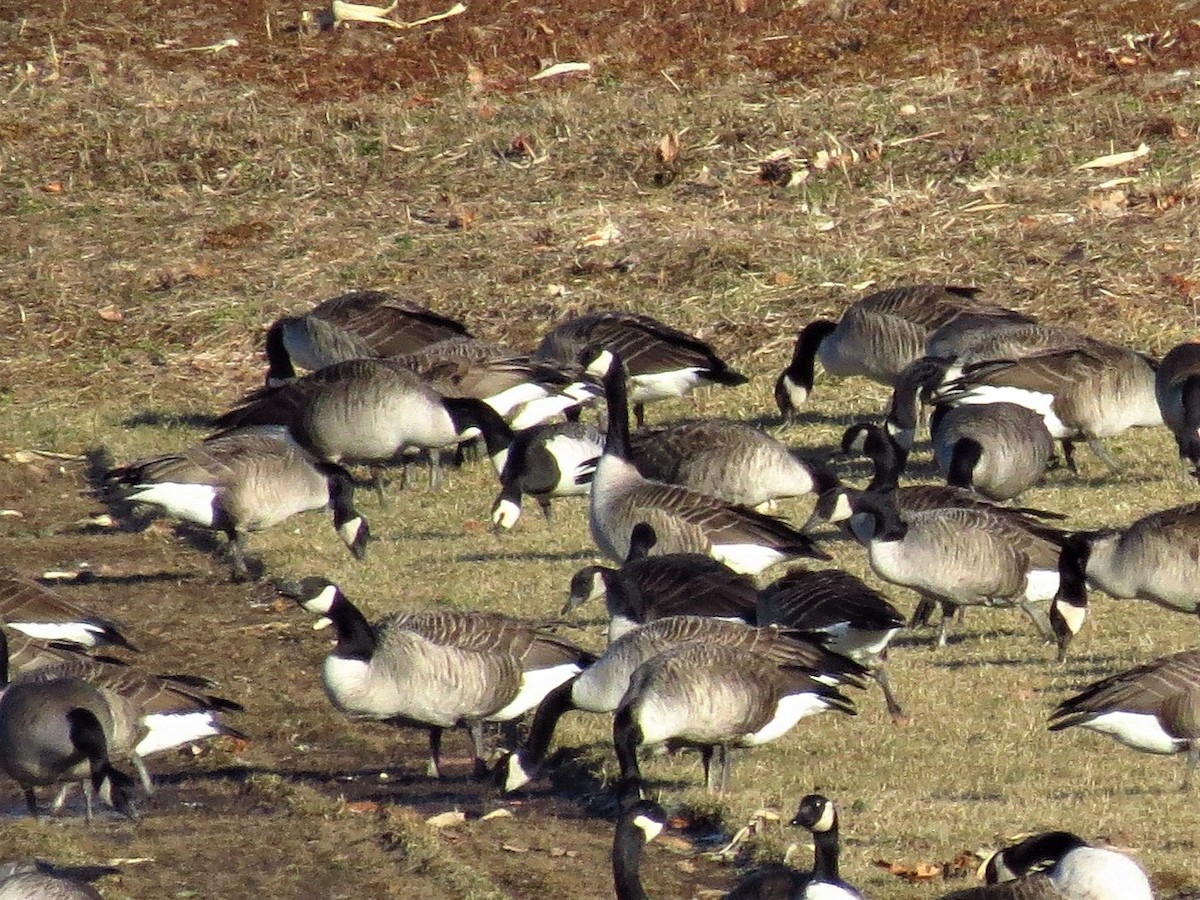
(362, 806)
(1109, 203)
(474, 76)
(668, 148)
(111, 314)
(513, 848)
(496, 814)
(448, 819)
(783, 279)
(566, 68)
(608, 233)
(53, 187)
(1113, 160)
(461, 219)
(922, 871)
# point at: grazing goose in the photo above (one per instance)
(963, 557)
(1151, 707)
(353, 326)
(546, 461)
(639, 823)
(37, 879)
(733, 461)
(513, 384)
(647, 587)
(1157, 558)
(29, 608)
(1081, 387)
(242, 482)
(998, 449)
(601, 687)
(1177, 389)
(858, 622)
(713, 697)
(437, 669)
(684, 520)
(660, 361)
(1058, 865)
(57, 729)
(880, 334)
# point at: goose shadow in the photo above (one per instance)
(528, 556)
(167, 419)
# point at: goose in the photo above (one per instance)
(546, 462)
(1150, 707)
(880, 334)
(733, 461)
(601, 687)
(1082, 388)
(523, 390)
(661, 361)
(56, 729)
(36, 879)
(352, 326)
(684, 520)
(370, 411)
(242, 482)
(1177, 390)
(818, 814)
(639, 823)
(1059, 865)
(1157, 558)
(715, 698)
(998, 449)
(29, 608)
(963, 557)
(857, 621)
(436, 669)
(647, 587)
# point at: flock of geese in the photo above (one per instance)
(699, 655)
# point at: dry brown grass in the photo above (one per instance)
(158, 209)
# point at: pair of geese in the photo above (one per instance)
(65, 714)
(1054, 865)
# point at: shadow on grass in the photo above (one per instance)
(165, 419)
(528, 556)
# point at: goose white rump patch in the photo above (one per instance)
(535, 685)
(747, 559)
(190, 502)
(1141, 731)
(791, 709)
(662, 385)
(83, 633)
(169, 730)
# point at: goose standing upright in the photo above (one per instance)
(684, 520)
(436, 669)
(1177, 390)
(818, 814)
(661, 361)
(879, 335)
(356, 325)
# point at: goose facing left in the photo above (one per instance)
(546, 462)
(685, 521)
(241, 482)
(436, 669)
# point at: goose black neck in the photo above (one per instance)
(616, 396)
(881, 506)
(3, 659)
(825, 853)
(341, 492)
(802, 368)
(559, 701)
(885, 456)
(628, 842)
(964, 457)
(641, 541)
(466, 412)
(903, 410)
(279, 361)
(627, 736)
(356, 638)
(1190, 399)
(1072, 569)
(1049, 847)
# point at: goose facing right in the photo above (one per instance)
(684, 520)
(436, 669)
(241, 482)
(29, 608)
(1151, 707)
(1059, 865)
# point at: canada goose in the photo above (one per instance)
(29, 608)
(684, 520)
(858, 622)
(352, 326)
(639, 823)
(998, 449)
(1058, 865)
(818, 814)
(242, 482)
(601, 687)
(56, 729)
(1177, 389)
(964, 557)
(369, 411)
(513, 384)
(37, 879)
(1157, 558)
(661, 361)
(1081, 387)
(733, 461)
(546, 461)
(1150, 707)
(879, 335)
(647, 587)
(436, 669)
(713, 697)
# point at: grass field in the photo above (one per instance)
(159, 206)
